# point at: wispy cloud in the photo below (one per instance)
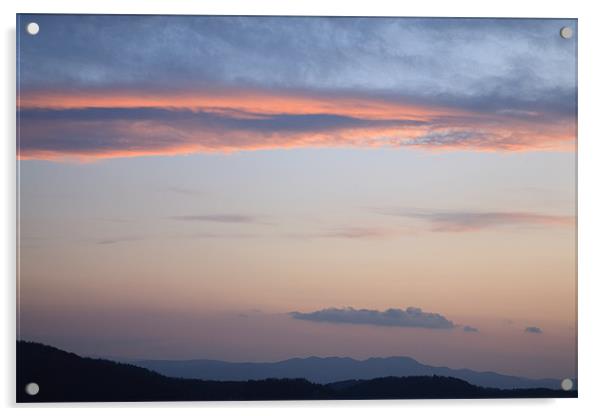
(118, 240)
(362, 233)
(163, 237)
(533, 330)
(468, 328)
(465, 221)
(351, 233)
(223, 218)
(183, 191)
(410, 317)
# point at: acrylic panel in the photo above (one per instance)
(292, 208)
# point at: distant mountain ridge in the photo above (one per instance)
(67, 377)
(334, 369)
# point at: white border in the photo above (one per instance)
(590, 190)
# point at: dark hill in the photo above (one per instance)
(66, 377)
(432, 387)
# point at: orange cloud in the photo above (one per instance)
(246, 101)
(227, 121)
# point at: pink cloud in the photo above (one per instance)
(93, 125)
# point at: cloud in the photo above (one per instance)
(477, 139)
(234, 122)
(189, 236)
(468, 328)
(352, 233)
(511, 63)
(117, 240)
(410, 317)
(361, 233)
(466, 221)
(533, 330)
(416, 85)
(184, 191)
(223, 218)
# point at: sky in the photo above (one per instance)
(256, 189)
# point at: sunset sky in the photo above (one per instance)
(255, 189)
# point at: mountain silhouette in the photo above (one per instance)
(333, 369)
(67, 377)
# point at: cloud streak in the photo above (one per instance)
(63, 126)
(468, 328)
(222, 218)
(184, 191)
(118, 240)
(353, 233)
(467, 221)
(533, 330)
(410, 317)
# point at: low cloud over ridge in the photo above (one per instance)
(410, 317)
